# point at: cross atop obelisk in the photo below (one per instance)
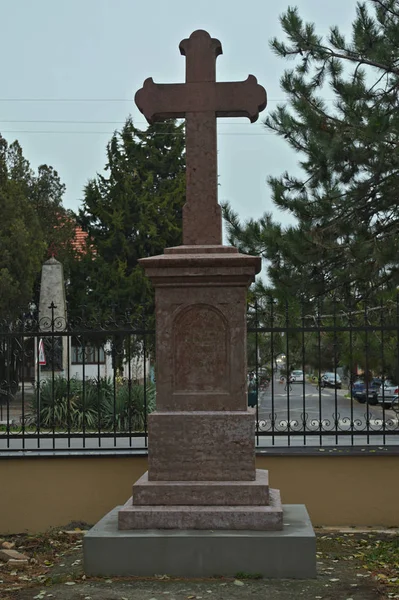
(200, 100)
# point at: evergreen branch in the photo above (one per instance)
(356, 59)
(386, 8)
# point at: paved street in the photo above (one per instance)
(303, 408)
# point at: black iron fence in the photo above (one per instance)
(324, 373)
(73, 386)
(320, 374)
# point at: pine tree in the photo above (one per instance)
(345, 241)
(133, 211)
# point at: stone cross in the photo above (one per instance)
(200, 100)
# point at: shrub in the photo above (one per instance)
(76, 405)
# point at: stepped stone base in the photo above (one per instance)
(258, 518)
(200, 493)
(290, 553)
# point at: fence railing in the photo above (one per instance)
(323, 373)
(75, 386)
(319, 375)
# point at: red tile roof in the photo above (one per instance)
(80, 239)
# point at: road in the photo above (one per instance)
(322, 416)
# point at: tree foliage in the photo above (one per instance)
(131, 212)
(345, 240)
(32, 222)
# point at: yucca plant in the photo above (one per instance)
(128, 410)
(72, 405)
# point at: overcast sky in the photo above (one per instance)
(70, 69)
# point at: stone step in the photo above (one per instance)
(202, 493)
(253, 518)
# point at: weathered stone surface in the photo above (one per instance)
(203, 493)
(201, 350)
(200, 100)
(52, 292)
(258, 518)
(7, 555)
(201, 446)
(18, 563)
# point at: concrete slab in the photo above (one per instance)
(290, 553)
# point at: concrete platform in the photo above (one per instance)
(290, 553)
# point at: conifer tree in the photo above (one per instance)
(342, 118)
(33, 223)
(131, 212)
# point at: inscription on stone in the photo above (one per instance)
(200, 361)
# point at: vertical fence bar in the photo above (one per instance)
(287, 357)
(145, 380)
(114, 386)
(100, 392)
(68, 383)
(257, 371)
(272, 416)
(8, 387)
(351, 374)
(336, 415)
(129, 386)
(38, 389)
(2, 348)
(397, 340)
(23, 366)
(319, 370)
(84, 347)
(382, 341)
(366, 348)
(304, 419)
(52, 307)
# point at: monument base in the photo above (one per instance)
(290, 553)
(258, 518)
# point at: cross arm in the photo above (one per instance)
(225, 99)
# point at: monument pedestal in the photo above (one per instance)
(289, 553)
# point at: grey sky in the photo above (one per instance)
(104, 49)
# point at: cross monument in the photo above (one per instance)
(200, 100)
(202, 507)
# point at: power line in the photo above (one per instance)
(130, 100)
(112, 132)
(85, 122)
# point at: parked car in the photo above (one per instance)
(363, 392)
(331, 380)
(388, 393)
(296, 376)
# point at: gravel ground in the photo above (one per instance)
(357, 566)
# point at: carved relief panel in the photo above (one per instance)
(200, 351)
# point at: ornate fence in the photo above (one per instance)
(75, 386)
(324, 374)
(319, 375)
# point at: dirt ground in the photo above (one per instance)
(357, 566)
